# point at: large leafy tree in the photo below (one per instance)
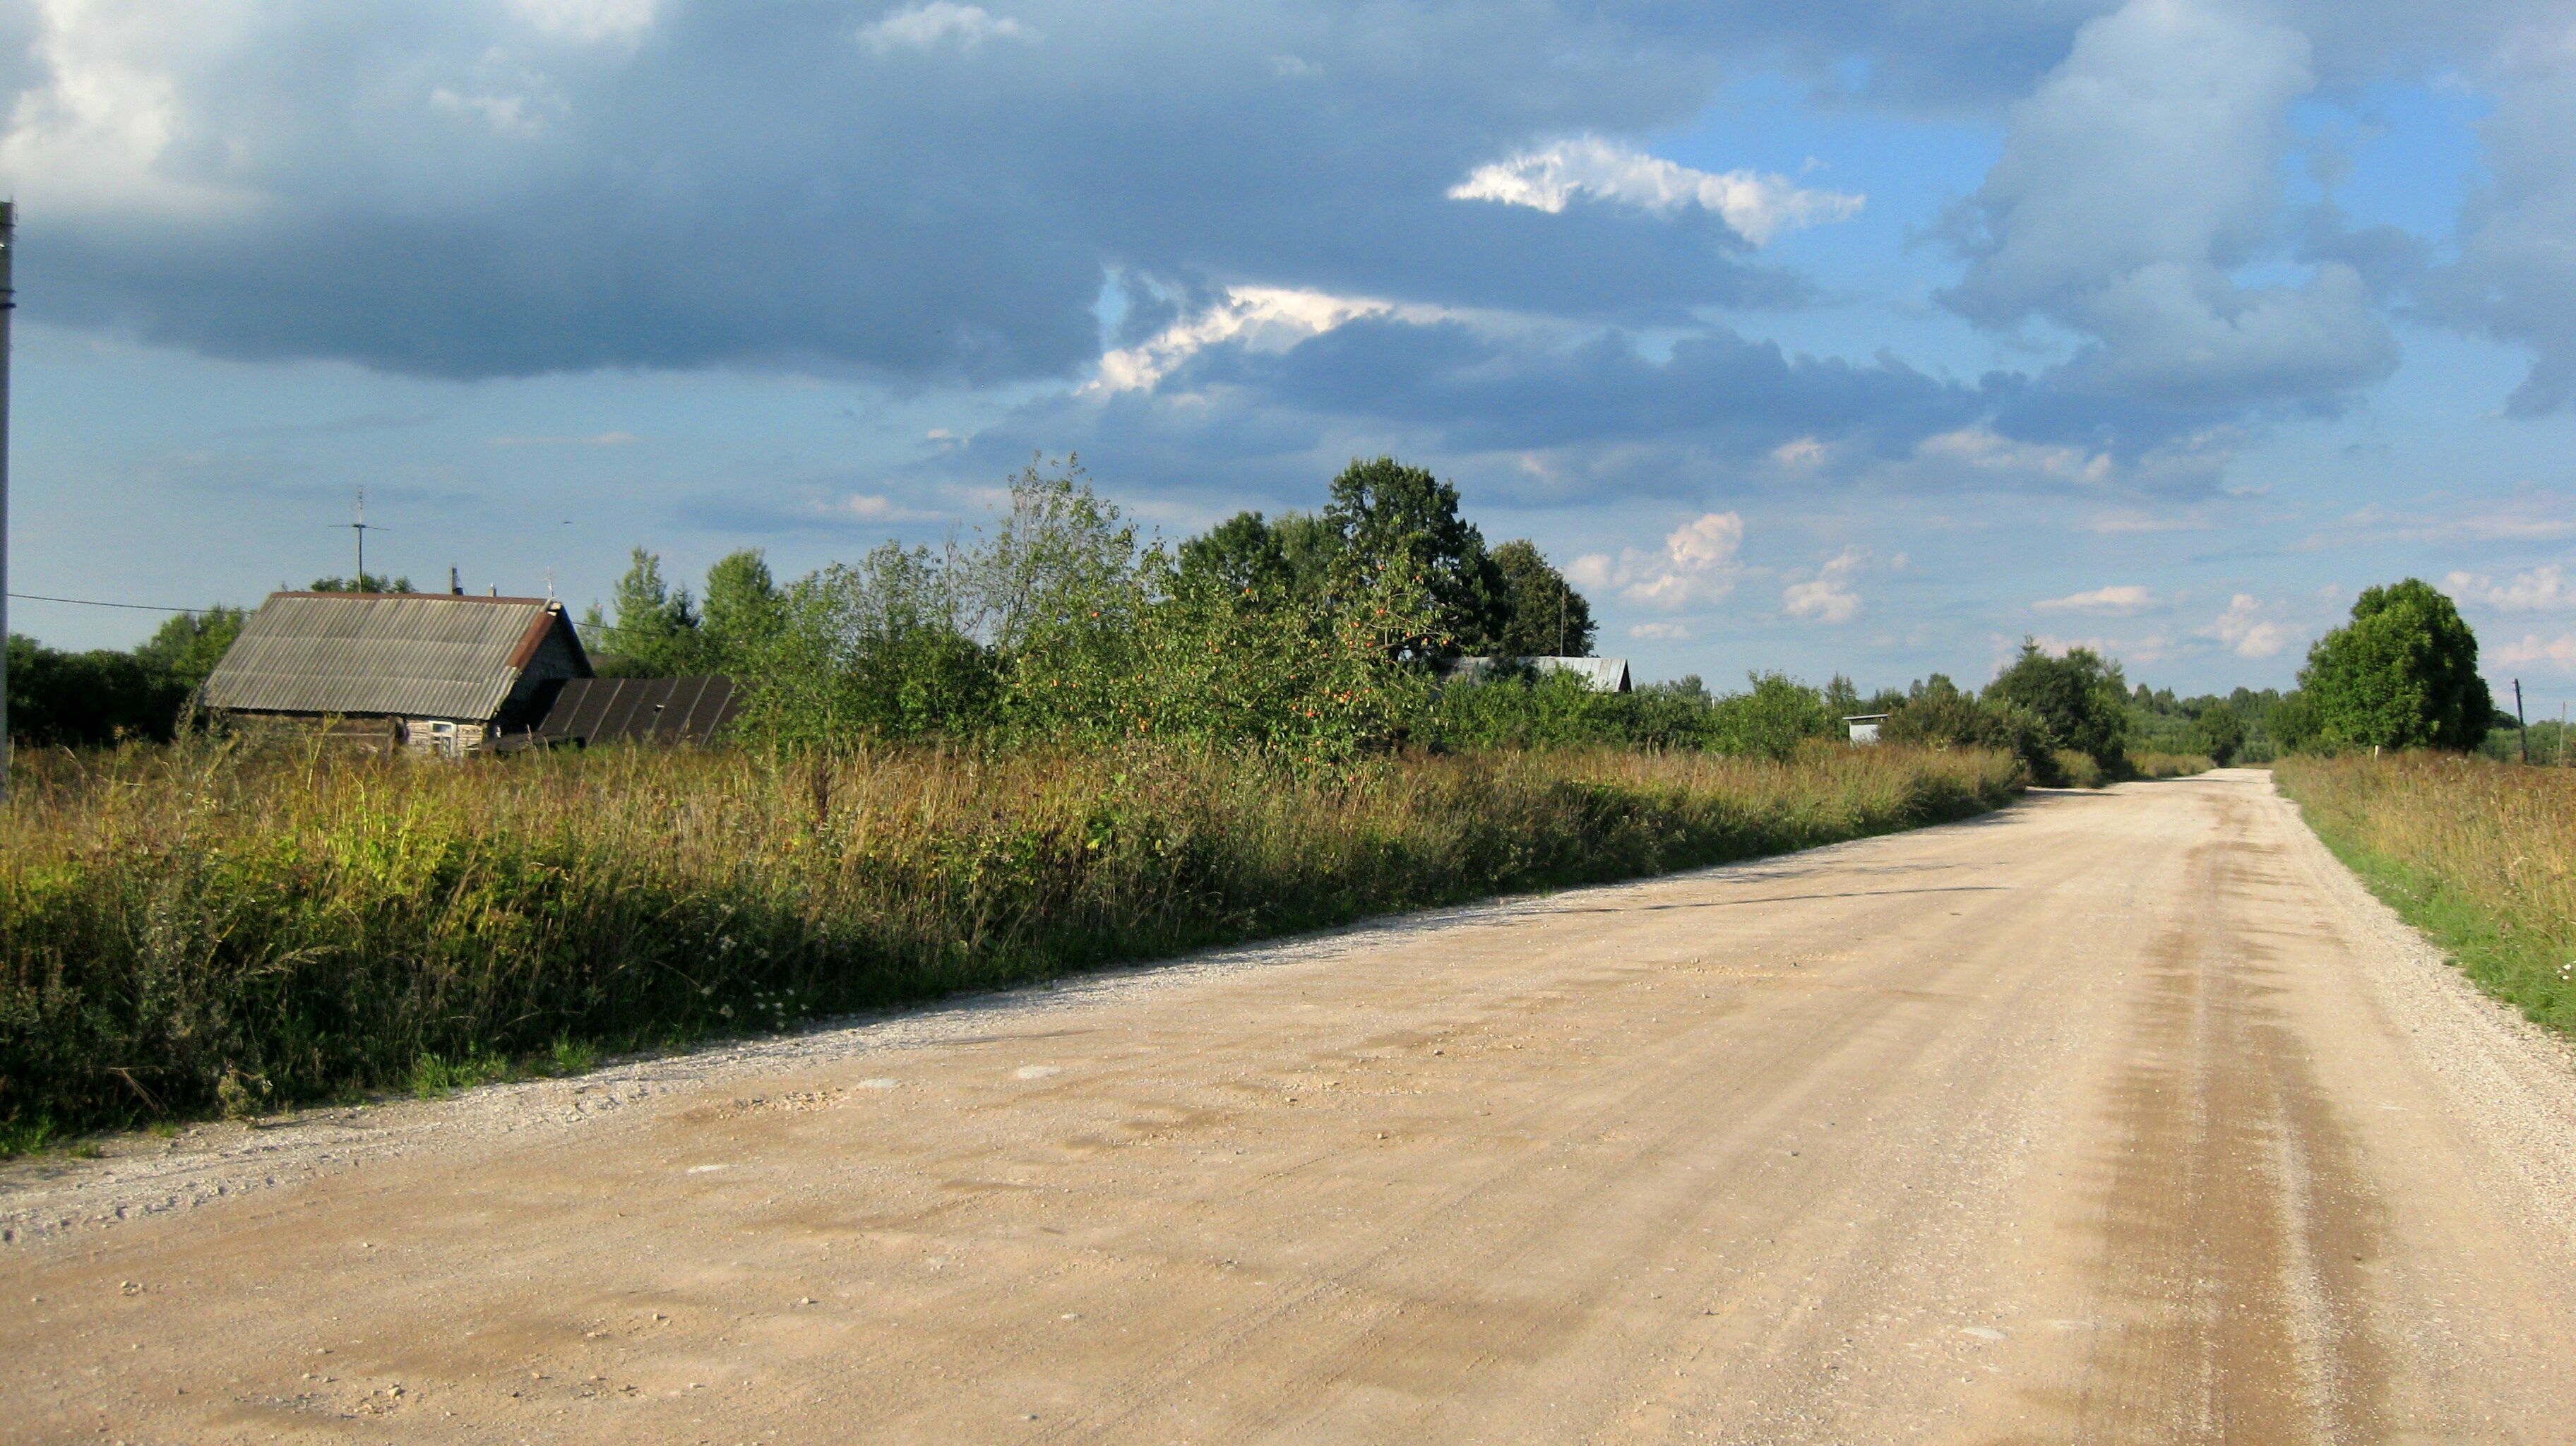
(1543, 615)
(2402, 674)
(1392, 517)
(1243, 554)
(2080, 700)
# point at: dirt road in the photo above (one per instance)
(2118, 1117)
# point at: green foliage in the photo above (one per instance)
(656, 634)
(1243, 554)
(742, 612)
(185, 649)
(209, 927)
(1524, 708)
(88, 699)
(1935, 713)
(2080, 701)
(363, 582)
(1543, 616)
(1398, 519)
(2402, 674)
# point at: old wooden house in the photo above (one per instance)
(439, 673)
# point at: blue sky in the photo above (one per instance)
(1866, 336)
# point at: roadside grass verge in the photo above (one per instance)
(2168, 765)
(188, 930)
(2479, 855)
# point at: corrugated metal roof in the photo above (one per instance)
(640, 710)
(413, 655)
(1601, 675)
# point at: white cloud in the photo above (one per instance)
(923, 27)
(591, 21)
(1665, 631)
(1260, 318)
(2543, 589)
(2136, 181)
(1758, 205)
(2120, 599)
(96, 133)
(2559, 651)
(1976, 449)
(1697, 565)
(1827, 597)
(2245, 630)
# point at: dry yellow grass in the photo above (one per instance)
(2480, 855)
(182, 927)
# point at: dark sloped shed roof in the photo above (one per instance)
(413, 655)
(640, 710)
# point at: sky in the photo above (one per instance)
(1859, 336)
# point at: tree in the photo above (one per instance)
(1543, 615)
(656, 632)
(1391, 516)
(1242, 554)
(187, 647)
(2402, 674)
(742, 611)
(2081, 701)
(363, 582)
(87, 699)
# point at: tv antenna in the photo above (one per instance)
(362, 527)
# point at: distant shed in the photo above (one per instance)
(640, 710)
(440, 673)
(1864, 726)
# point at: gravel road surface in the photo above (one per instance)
(2117, 1117)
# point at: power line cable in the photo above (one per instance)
(95, 603)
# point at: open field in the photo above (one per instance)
(2480, 855)
(189, 929)
(2112, 1117)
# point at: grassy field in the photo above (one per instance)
(2169, 765)
(2479, 855)
(189, 929)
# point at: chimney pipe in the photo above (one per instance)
(454, 587)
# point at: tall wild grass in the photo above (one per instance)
(2480, 855)
(196, 927)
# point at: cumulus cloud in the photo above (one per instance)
(1697, 565)
(1759, 206)
(1828, 596)
(2119, 599)
(1665, 632)
(2136, 182)
(2559, 652)
(2246, 631)
(940, 22)
(2515, 275)
(2543, 589)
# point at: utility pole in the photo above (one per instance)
(2521, 730)
(8, 304)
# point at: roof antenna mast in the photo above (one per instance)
(359, 583)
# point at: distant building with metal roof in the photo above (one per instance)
(1601, 675)
(449, 670)
(591, 711)
(1864, 726)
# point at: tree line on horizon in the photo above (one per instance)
(1318, 632)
